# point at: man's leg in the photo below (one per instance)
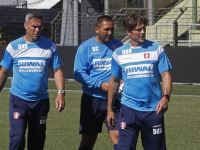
(153, 131)
(37, 125)
(87, 142)
(91, 120)
(129, 129)
(114, 132)
(18, 123)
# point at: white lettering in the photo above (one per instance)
(140, 76)
(31, 63)
(99, 63)
(157, 131)
(43, 121)
(22, 46)
(95, 48)
(139, 69)
(127, 51)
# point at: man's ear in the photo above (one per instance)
(128, 33)
(25, 25)
(96, 29)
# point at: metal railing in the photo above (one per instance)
(189, 41)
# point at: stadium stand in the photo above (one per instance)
(165, 33)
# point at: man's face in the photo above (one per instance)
(137, 35)
(33, 29)
(105, 31)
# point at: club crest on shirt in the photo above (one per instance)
(114, 47)
(123, 125)
(16, 115)
(146, 55)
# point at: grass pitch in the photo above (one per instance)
(182, 121)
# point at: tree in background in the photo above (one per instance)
(2, 36)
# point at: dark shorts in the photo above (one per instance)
(93, 114)
(150, 125)
(31, 113)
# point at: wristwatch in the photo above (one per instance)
(62, 91)
(166, 96)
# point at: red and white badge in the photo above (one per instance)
(16, 115)
(123, 125)
(146, 55)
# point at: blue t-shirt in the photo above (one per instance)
(92, 65)
(31, 62)
(140, 68)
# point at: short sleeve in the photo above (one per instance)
(7, 61)
(115, 68)
(56, 61)
(163, 63)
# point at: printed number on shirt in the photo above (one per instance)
(127, 51)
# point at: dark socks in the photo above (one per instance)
(84, 148)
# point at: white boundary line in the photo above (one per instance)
(185, 95)
(55, 90)
(81, 91)
(160, 82)
(185, 83)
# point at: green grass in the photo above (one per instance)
(182, 120)
(186, 89)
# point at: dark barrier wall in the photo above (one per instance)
(184, 60)
(67, 54)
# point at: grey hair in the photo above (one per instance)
(33, 14)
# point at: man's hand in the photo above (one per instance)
(3, 77)
(104, 86)
(60, 102)
(162, 106)
(111, 118)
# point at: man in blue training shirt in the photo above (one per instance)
(140, 62)
(92, 69)
(31, 56)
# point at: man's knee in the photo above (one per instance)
(114, 134)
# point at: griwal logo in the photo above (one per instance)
(102, 62)
(135, 69)
(31, 63)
